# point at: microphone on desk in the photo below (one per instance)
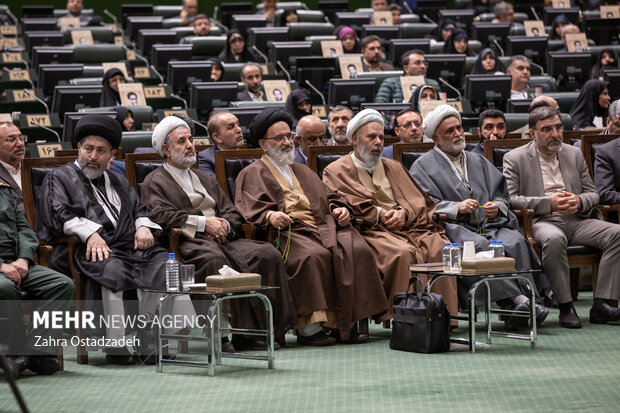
(179, 98)
(443, 82)
(316, 90)
(38, 99)
(6, 69)
(33, 123)
(496, 43)
(260, 53)
(288, 75)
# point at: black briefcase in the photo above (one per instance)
(421, 321)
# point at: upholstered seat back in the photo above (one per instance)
(232, 167)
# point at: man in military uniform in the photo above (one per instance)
(18, 272)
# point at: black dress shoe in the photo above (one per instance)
(120, 356)
(354, 337)
(318, 339)
(570, 319)
(541, 314)
(16, 365)
(515, 322)
(247, 343)
(602, 314)
(44, 365)
(227, 346)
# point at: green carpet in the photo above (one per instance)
(570, 370)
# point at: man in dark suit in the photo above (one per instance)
(223, 128)
(607, 172)
(12, 151)
(310, 132)
(552, 178)
(252, 77)
(613, 118)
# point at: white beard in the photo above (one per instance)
(367, 156)
(281, 157)
(182, 160)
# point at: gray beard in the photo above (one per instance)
(340, 138)
(90, 173)
(281, 157)
(367, 156)
(182, 160)
(453, 148)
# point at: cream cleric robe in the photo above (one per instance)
(171, 206)
(330, 268)
(420, 241)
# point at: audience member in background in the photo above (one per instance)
(552, 178)
(520, 69)
(348, 38)
(269, 10)
(332, 274)
(298, 105)
(372, 52)
(537, 102)
(488, 63)
(408, 128)
(491, 127)
(12, 152)
(422, 93)
(413, 64)
(556, 27)
(379, 5)
(613, 119)
(129, 65)
(396, 12)
(216, 69)
(591, 105)
(607, 161)
(608, 59)
(446, 30)
(236, 50)
(458, 42)
(567, 29)
(74, 9)
(337, 122)
(252, 77)
(310, 132)
(398, 224)
(124, 117)
(109, 93)
(288, 16)
(201, 25)
(504, 13)
(190, 9)
(586, 4)
(225, 132)
(472, 192)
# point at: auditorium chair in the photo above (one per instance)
(409, 18)
(589, 144)
(167, 11)
(319, 157)
(141, 114)
(299, 31)
(316, 43)
(416, 30)
(100, 34)
(228, 164)
(204, 47)
(310, 16)
(98, 53)
(136, 139)
(408, 153)
(285, 5)
(380, 76)
(578, 255)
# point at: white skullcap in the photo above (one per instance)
(362, 118)
(434, 118)
(163, 128)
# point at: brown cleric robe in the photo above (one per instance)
(171, 206)
(330, 269)
(420, 241)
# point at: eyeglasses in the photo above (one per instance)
(408, 125)
(548, 129)
(12, 139)
(280, 138)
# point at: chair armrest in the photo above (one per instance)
(605, 209)
(525, 217)
(174, 239)
(43, 254)
(249, 231)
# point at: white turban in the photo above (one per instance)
(434, 118)
(362, 118)
(163, 128)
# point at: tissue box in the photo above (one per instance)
(226, 283)
(487, 265)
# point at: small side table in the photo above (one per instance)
(215, 330)
(485, 279)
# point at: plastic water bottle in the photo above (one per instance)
(445, 254)
(455, 259)
(499, 252)
(172, 273)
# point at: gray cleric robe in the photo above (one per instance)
(435, 175)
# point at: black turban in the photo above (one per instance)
(98, 125)
(261, 122)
